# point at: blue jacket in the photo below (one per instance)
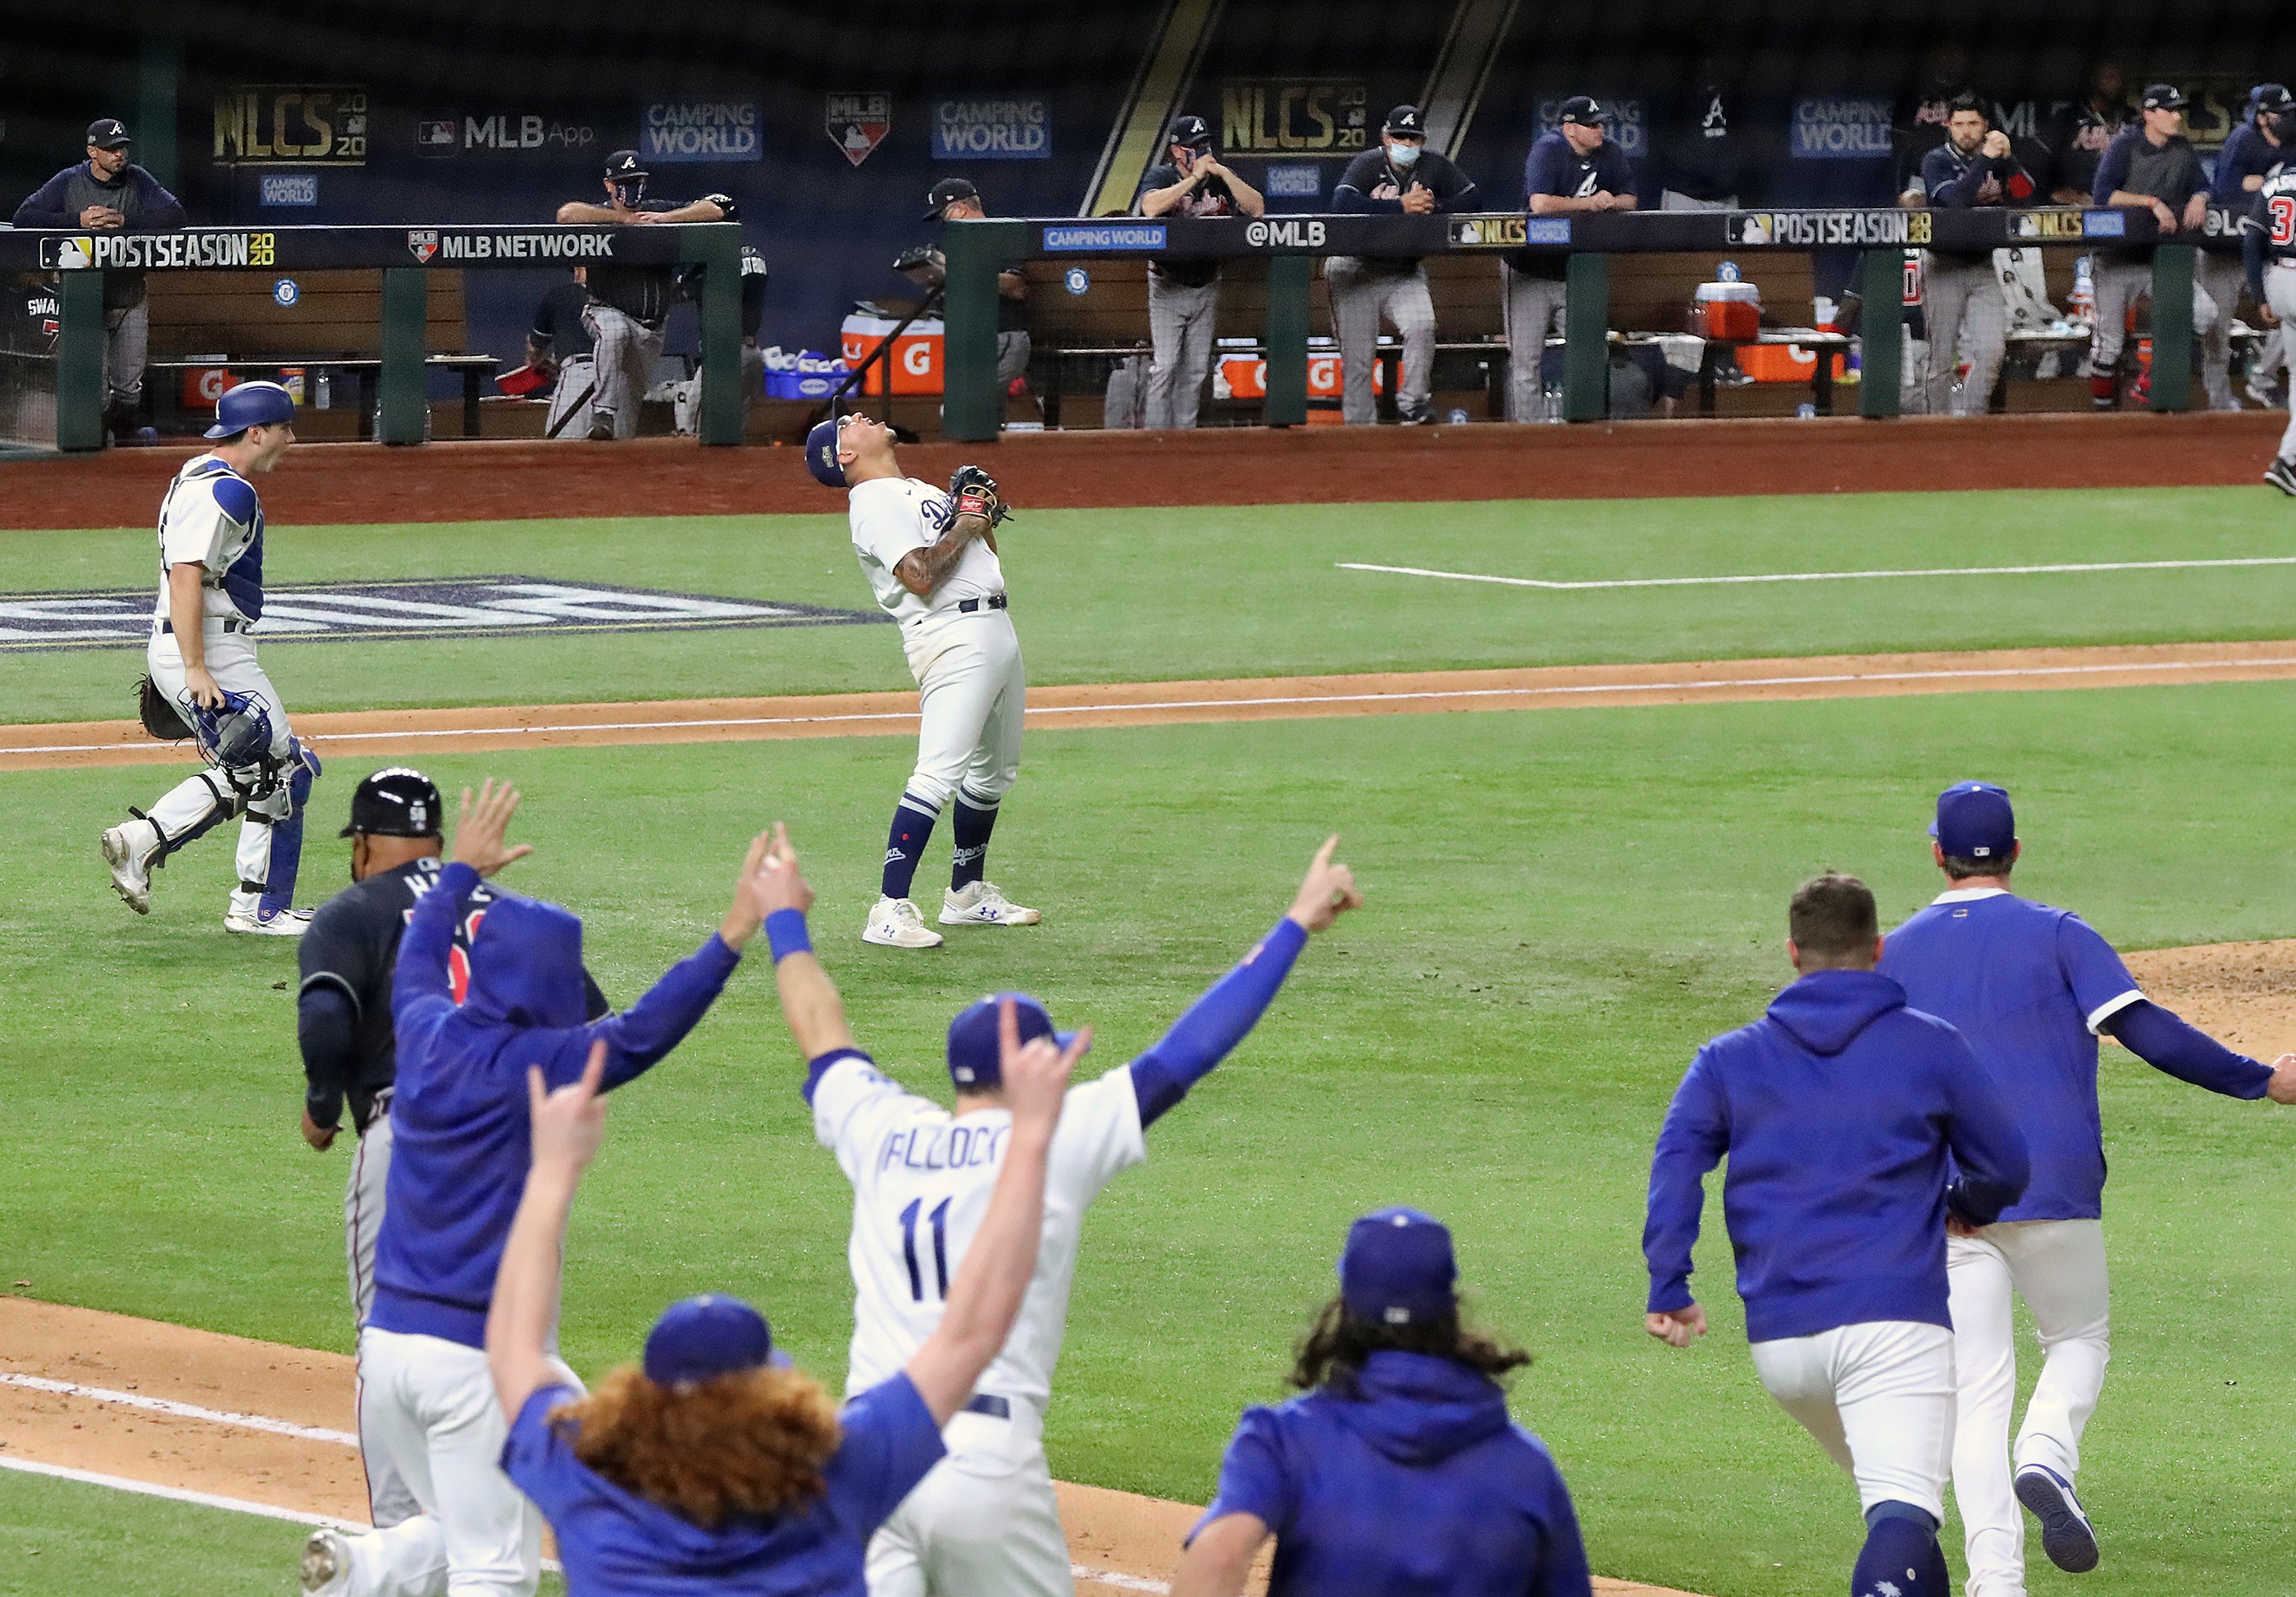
(1420, 1485)
(2246, 153)
(1838, 1110)
(459, 1149)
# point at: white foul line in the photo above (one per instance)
(1945, 570)
(190, 1411)
(181, 1411)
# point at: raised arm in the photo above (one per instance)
(1227, 1012)
(566, 1127)
(1692, 1141)
(479, 852)
(2170, 1044)
(920, 571)
(985, 1297)
(779, 896)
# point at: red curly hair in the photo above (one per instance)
(749, 1445)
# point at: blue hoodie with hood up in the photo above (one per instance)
(1416, 1483)
(458, 1119)
(1837, 1109)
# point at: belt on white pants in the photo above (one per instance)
(227, 623)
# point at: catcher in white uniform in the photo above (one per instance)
(205, 683)
(931, 557)
(985, 1522)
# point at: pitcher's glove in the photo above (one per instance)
(973, 492)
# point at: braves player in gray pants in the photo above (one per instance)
(2269, 248)
(106, 191)
(1184, 295)
(2151, 164)
(1961, 292)
(1573, 169)
(1401, 178)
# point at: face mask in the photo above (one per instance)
(1406, 156)
(627, 194)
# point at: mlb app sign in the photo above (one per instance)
(707, 130)
(992, 130)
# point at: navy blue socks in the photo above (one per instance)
(912, 826)
(1901, 1556)
(972, 829)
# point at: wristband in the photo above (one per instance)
(786, 934)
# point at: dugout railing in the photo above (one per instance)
(976, 249)
(405, 256)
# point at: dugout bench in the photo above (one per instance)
(1590, 243)
(406, 261)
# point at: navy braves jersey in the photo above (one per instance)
(644, 293)
(1374, 184)
(1554, 168)
(1954, 181)
(1210, 198)
(2029, 986)
(352, 948)
(2268, 235)
(2246, 153)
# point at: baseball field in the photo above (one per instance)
(1575, 875)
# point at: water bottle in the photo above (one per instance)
(322, 391)
(1805, 411)
(2084, 301)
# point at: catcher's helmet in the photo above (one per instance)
(235, 736)
(252, 405)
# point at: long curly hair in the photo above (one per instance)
(1337, 1347)
(751, 1444)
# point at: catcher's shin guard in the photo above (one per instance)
(284, 855)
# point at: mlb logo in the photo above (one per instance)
(857, 123)
(70, 254)
(1756, 228)
(422, 243)
(435, 138)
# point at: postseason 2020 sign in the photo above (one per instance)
(992, 130)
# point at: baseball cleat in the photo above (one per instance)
(279, 923)
(326, 1567)
(2066, 1535)
(602, 426)
(2281, 474)
(896, 922)
(2261, 392)
(983, 904)
(127, 849)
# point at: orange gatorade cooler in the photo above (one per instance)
(1730, 310)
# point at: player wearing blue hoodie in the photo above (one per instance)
(1399, 1469)
(468, 1030)
(1853, 1126)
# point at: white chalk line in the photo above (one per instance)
(192, 1411)
(180, 1411)
(1725, 582)
(1429, 696)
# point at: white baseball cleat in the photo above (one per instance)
(127, 849)
(983, 904)
(327, 1567)
(896, 922)
(281, 922)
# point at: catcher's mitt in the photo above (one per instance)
(160, 717)
(973, 492)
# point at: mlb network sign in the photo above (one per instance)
(992, 130)
(700, 130)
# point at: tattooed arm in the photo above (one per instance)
(920, 571)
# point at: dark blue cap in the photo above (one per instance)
(1193, 133)
(703, 1337)
(821, 454)
(107, 133)
(975, 1059)
(1398, 1269)
(252, 405)
(1974, 821)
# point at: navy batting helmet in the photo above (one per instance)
(821, 454)
(396, 801)
(252, 405)
(237, 733)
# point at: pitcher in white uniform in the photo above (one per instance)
(202, 663)
(984, 1523)
(931, 556)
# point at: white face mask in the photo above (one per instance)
(1403, 155)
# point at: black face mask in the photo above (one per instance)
(627, 194)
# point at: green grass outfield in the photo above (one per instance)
(1564, 905)
(1158, 595)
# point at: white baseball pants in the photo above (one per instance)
(2220, 274)
(972, 688)
(1360, 299)
(430, 1405)
(1533, 305)
(622, 363)
(984, 1523)
(191, 804)
(1879, 1397)
(2120, 284)
(1180, 320)
(388, 1499)
(2057, 1266)
(1966, 312)
(2280, 293)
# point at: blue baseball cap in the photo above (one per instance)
(1974, 821)
(975, 1057)
(700, 1339)
(252, 405)
(1398, 1269)
(821, 454)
